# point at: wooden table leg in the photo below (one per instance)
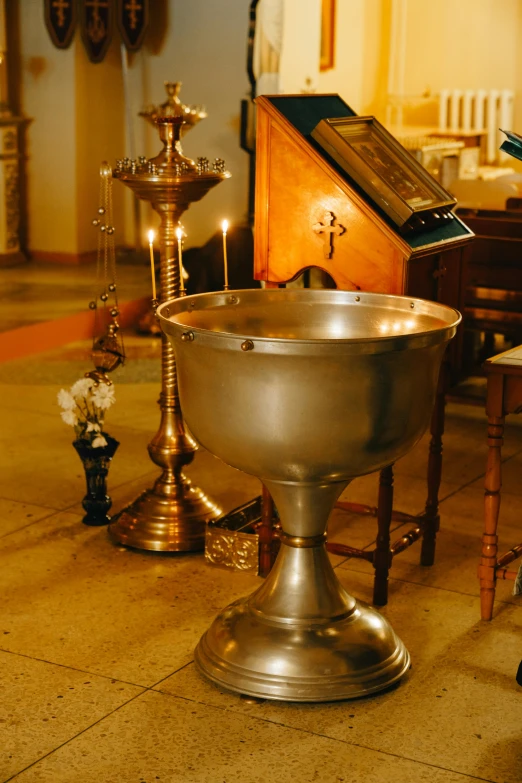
(431, 519)
(492, 485)
(382, 556)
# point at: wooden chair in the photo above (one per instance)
(493, 287)
(504, 396)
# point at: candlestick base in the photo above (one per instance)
(163, 522)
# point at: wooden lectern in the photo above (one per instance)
(310, 212)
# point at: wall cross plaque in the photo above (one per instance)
(60, 20)
(328, 230)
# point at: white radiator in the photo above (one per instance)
(478, 110)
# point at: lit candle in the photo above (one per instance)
(151, 248)
(224, 226)
(179, 234)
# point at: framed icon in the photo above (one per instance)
(386, 172)
(327, 56)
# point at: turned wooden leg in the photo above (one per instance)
(382, 556)
(266, 533)
(492, 485)
(431, 520)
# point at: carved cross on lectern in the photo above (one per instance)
(328, 230)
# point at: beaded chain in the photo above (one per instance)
(107, 344)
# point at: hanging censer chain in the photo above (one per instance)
(107, 344)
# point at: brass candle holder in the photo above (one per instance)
(173, 107)
(172, 515)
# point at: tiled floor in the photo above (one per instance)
(31, 293)
(96, 641)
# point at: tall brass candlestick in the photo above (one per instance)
(171, 515)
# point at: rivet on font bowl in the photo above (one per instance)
(412, 305)
(187, 337)
(232, 300)
(247, 345)
(357, 298)
(167, 311)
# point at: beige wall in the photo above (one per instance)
(48, 94)
(99, 136)
(204, 47)
(77, 108)
(300, 46)
(345, 78)
(464, 44)
(78, 119)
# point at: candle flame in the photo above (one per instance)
(151, 237)
(179, 233)
(224, 226)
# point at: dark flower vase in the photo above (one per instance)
(96, 464)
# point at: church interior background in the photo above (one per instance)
(97, 638)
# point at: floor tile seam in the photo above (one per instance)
(435, 587)
(39, 411)
(482, 475)
(453, 483)
(150, 472)
(373, 541)
(412, 475)
(366, 547)
(75, 669)
(463, 486)
(176, 671)
(511, 456)
(73, 738)
(503, 460)
(30, 524)
(273, 722)
(114, 487)
(55, 414)
(41, 505)
(464, 775)
(23, 502)
(392, 530)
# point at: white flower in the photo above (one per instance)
(66, 400)
(103, 396)
(70, 417)
(98, 442)
(93, 427)
(82, 387)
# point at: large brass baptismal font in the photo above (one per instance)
(170, 516)
(305, 389)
